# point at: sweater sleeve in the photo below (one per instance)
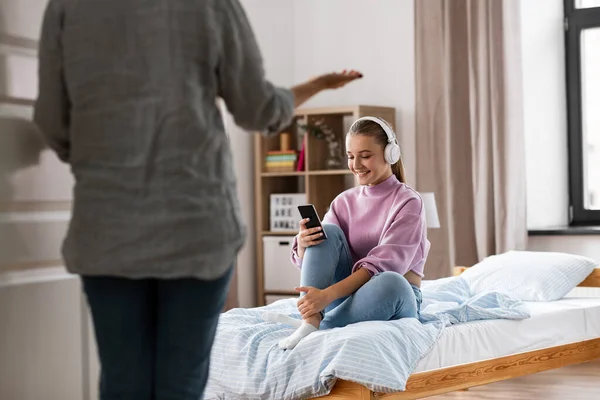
(400, 246)
(52, 107)
(254, 102)
(296, 260)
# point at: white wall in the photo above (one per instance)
(545, 117)
(588, 246)
(272, 21)
(302, 39)
(545, 114)
(41, 341)
(376, 38)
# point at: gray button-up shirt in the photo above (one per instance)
(127, 97)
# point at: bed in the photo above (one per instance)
(441, 362)
(575, 340)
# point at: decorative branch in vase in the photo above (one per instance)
(320, 130)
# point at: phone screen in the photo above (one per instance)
(309, 211)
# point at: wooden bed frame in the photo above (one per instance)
(461, 377)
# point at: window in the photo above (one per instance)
(582, 40)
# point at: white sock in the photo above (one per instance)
(300, 333)
(282, 319)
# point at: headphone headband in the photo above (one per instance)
(386, 128)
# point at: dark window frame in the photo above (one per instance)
(576, 20)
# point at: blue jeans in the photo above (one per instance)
(154, 336)
(386, 296)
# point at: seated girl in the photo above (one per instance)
(370, 266)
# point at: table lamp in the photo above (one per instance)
(431, 215)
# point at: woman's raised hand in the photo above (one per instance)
(336, 80)
(333, 80)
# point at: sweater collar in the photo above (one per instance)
(382, 187)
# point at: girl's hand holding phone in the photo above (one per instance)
(308, 237)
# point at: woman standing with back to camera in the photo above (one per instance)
(370, 266)
(127, 97)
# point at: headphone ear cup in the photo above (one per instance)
(392, 153)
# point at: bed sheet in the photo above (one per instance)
(550, 324)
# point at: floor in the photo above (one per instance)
(575, 382)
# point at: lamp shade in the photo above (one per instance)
(431, 214)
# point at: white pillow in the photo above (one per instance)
(530, 275)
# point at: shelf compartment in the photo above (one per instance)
(304, 173)
(274, 144)
(319, 148)
(277, 184)
(331, 172)
(279, 233)
(282, 174)
(322, 189)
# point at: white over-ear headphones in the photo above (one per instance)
(392, 150)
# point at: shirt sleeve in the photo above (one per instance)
(52, 108)
(255, 103)
(399, 246)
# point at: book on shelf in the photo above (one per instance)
(281, 161)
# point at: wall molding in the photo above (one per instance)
(40, 206)
(34, 216)
(17, 101)
(19, 42)
(32, 276)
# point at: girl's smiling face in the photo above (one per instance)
(366, 159)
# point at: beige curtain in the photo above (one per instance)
(470, 146)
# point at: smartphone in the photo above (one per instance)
(309, 211)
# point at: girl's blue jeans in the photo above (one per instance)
(386, 296)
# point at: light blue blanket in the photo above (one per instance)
(247, 362)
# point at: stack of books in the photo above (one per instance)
(281, 161)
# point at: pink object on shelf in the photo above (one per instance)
(300, 166)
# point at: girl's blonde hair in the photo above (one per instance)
(373, 129)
